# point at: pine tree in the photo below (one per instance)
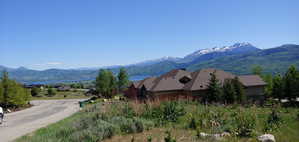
(269, 87)
(229, 92)
(239, 90)
(278, 90)
(112, 83)
(214, 92)
(257, 70)
(291, 83)
(123, 79)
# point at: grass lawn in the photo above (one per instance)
(113, 122)
(62, 95)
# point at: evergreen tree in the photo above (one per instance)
(278, 90)
(239, 90)
(269, 87)
(112, 84)
(229, 92)
(257, 70)
(291, 83)
(214, 92)
(123, 79)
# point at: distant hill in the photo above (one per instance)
(238, 58)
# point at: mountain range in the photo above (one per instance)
(238, 58)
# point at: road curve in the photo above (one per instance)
(43, 113)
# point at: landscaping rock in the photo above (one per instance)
(214, 136)
(203, 134)
(225, 134)
(266, 138)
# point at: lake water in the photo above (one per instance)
(132, 78)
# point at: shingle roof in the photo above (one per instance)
(199, 80)
(170, 81)
(136, 83)
(202, 78)
(147, 83)
(251, 80)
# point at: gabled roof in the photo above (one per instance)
(147, 83)
(199, 80)
(136, 83)
(170, 81)
(202, 77)
(251, 80)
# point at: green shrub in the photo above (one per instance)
(149, 139)
(168, 137)
(128, 111)
(153, 113)
(51, 92)
(172, 111)
(192, 124)
(273, 122)
(166, 112)
(245, 124)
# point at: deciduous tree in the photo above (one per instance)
(123, 79)
(105, 83)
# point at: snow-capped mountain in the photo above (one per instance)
(206, 54)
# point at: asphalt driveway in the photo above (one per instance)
(43, 113)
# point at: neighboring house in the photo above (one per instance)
(91, 92)
(181, 84)
(34, 86)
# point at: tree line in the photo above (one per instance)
(230, 92)
(107, 84)
(12, 94)
(281, 86)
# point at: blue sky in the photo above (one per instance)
(42, 34)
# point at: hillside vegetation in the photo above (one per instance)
(103, 121)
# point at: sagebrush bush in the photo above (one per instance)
(273, 122)
(128, 111)
(172, 111)
(245, 124)
(164, 113)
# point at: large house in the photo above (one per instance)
(181, 84)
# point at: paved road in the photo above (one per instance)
(43, 112)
